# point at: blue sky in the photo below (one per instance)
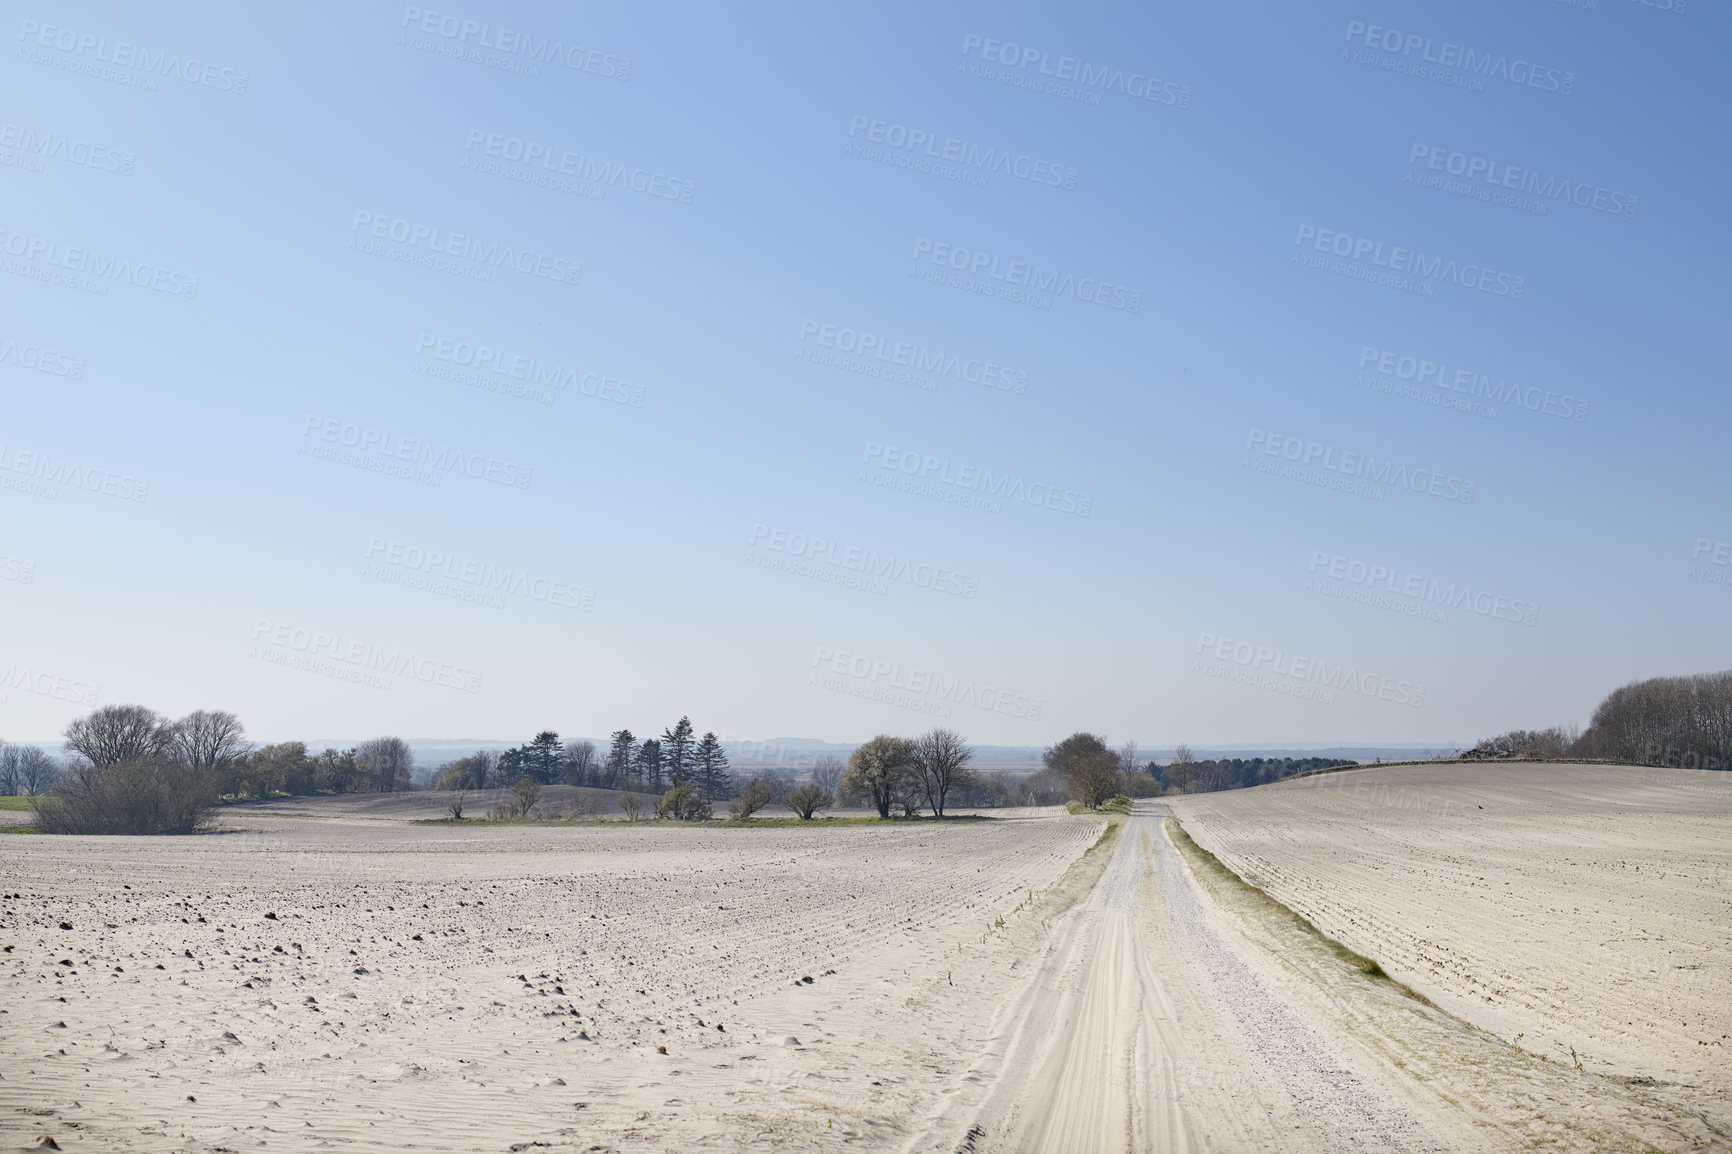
(1217, 501)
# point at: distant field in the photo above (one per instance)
(1578, 906)
(15, 803)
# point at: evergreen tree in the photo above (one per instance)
(543, 757)
(711, 763)
(513, 764)
(620, 756)
(676, 746)
(649, 764)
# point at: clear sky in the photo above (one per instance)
(1213, 373)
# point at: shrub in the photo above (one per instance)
(149, 795)
(632, 804)
(520, 805)
(684, 803)
(754, 797)
(808, 799)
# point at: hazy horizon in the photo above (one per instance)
(410, 371)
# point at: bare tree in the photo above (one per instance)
(941, 758)
(581, 764)
(9, 782)
(153, 795)
(878, 768)
(116, 733)
(632, 804)
(1128, 758)
(827, 771)
(389, 761)
(808, 799)
(26, 771)
(455, 805)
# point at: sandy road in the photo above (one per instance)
(1143, 1028)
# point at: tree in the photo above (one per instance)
(750, 800)
(632, 804)
(1090, 770)
(25, 771)
(159, 794)
(941, 758)
(676, 745)
(1128, 758)
(213, 742)
(878, 768)
(581, 767)
(543, 757)
(117, 733)
(711, 761)
(341, 772)
(1182, 770)
(455, 805)
(808, 799)
(649, 763)
(472, 772)
(271, 769)
(827, 771)
(621, 756)
(389, 761)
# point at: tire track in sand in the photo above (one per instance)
(1142, 1029)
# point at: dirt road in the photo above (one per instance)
(1169, 1013)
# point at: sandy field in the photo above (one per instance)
(332, 977)
(1584, 907)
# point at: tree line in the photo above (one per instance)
(1685, 722)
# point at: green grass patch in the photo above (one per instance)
(17, 803)
(1205, 862)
